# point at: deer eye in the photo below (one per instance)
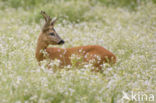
(52, 34)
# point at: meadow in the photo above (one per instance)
(126, 28)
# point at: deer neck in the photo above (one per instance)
(41, 46)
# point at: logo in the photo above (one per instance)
(137, 96)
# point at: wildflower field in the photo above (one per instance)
(125, 27)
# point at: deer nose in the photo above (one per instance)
(61, 42)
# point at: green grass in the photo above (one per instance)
(126, 31)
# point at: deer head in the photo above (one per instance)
(49, 35)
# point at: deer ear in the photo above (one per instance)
(53, 21)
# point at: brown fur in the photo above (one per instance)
(64, 54)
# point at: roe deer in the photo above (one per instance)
(48, 36)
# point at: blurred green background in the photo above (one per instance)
(72, 10)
